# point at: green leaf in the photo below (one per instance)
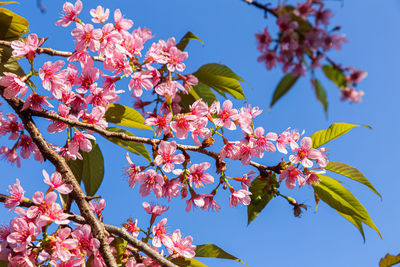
(350, 172)
(93, 169)
(120, 245)
(354, 221)
(185, 40)
(136, 148)
(338, 197)
(283, 87)
(12, 25)
(221, 78)
(213, 251)
(389, 260)
(9, 63)
(125, 116)
(187, 262)
(335, 75)
(334, 131)
(262, 192)
(320, 94)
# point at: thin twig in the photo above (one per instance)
(51, 52)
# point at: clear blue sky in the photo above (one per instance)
(275, 238)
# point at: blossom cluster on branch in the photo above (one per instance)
(303, 41)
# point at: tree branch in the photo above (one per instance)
(61, 166)
(51, 52)
(137, 139)
(261, 6)
(119, 231)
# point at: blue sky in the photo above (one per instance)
(275, 238)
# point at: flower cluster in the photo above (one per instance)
(302, 43)
(26, 241)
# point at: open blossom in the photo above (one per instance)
(292, 175)
(22, 234)
(261, 142)
(11, 155)
(52, 80)
(132, 227)
(35, 102)
(81, 141)
(351, 94)
(161, 235)
(154, 210)
(71, 13)
(11, 126)
(226, 115)
(151, 180)
(132, 170)
(198, 174)
(305, 153)
(26, 48)
(176, 57)
(86, 37)
(140, 79)
(120, 22)
(27, 146)
(181, 247)
(182, 125)
(55, 182)
(99, 15)
(199, 129)
(64, 246)
(166, 156)
(58, 126)
(161, 122)
(16, 195)
(240, 196)
(13, 84)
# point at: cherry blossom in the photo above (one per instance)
(166, 156)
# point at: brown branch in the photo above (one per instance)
(51, 52)
(119, 231)
(137, 139)
(61, 166)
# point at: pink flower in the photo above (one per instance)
(151, 180)
(199, 130)
(181, 247)
(244, 153)
(11, 155)
(81, 141)
(99, 15)
(305, 153)
(86, 36)
(87, 80)
(292, 174)
(97, 206)
(71, 13)
(182, 125)
(230, 150)
(26, 48)
(22, 234)
(175, 58)
(56, 182)
(260, 142)
(27, 146)
(270, 58)
(64, 245)
(210, 203)
(166, 156)
(197, 200)
(86, 242)
(154, 210)
(226, 115)
(96, 117)
(198, 176)
(263, 40)
(57, 126)
(120, 22)
(161, 235)
(16, 195)
(356, 76)
(13, 84)
(171, 188)
(52, 80)
(132, 170)
(35, 102)
(132, 227)
(11, 126)
(240, 196)
(162, 123)
(140, 79)
(349, 93)
(199, 108)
